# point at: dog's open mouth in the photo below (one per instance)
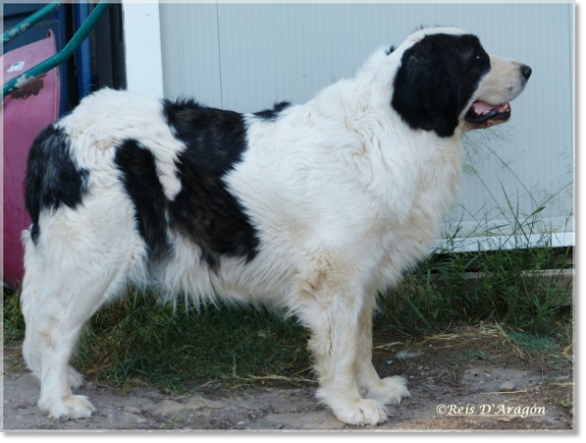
(485, 115)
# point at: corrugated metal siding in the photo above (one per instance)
(245, 57)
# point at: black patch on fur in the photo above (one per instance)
(272, 114)
(437, 79)
(35, 232)
(52, 178)
(204, 210)
(139, 176)
(390, 50)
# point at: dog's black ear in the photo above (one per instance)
(424, 95)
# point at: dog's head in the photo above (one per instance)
(445, 79)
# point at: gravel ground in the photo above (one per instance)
(501, 392)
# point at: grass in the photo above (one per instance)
(534, 344)
(440, 291)
(13, 321)
(139, 339)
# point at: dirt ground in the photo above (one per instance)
(471, 379)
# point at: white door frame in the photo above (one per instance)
(142, 42)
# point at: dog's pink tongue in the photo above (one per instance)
(481, 108)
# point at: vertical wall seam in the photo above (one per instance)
(220, 54)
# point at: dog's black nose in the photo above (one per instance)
(526, 70)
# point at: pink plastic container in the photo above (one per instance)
(26, 112)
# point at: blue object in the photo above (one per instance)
(83, 54)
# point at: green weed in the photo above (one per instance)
(139, 339)
(470, 287)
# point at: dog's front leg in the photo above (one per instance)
(389, 390)
(331, 309)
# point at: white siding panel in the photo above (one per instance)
(190, 46)
(247, 56)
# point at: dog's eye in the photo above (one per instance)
(481, 55)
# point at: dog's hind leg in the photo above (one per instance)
(32, 347)
(29, 296)
(330, 306)
(389, 390)
(66, 282)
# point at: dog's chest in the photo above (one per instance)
(438, 183)
(433, 188)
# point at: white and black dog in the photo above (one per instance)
(311, 208)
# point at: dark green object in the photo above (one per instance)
(29, 22)
(62, 55)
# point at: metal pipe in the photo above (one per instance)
(30, 21)
(62, 55)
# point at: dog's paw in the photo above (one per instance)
(71, 407)
(74, 378)
(360, 412)
(390, 390)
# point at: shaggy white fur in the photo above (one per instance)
(343, 194)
